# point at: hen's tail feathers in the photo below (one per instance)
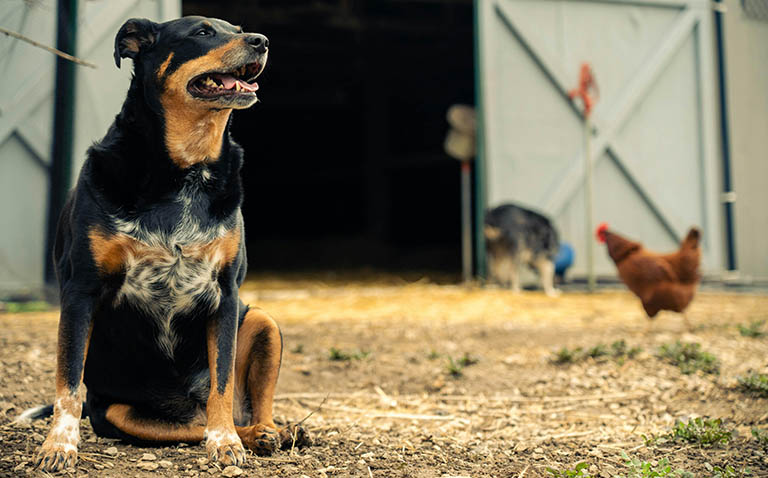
(600, 232)
(43, 411)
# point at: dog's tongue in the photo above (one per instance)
(229, 82)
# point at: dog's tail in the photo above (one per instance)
(43, 411)
(35, 413)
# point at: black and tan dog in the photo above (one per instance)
(150, 255)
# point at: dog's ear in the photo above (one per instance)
(134, 36)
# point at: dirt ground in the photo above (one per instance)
(391, 407)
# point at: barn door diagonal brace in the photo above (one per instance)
(35, 92)
(557, 77)
(606, 129)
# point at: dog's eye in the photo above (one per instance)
(203, 33)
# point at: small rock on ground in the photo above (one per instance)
(232, 471)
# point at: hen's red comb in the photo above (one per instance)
(600, 231)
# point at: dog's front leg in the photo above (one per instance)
(59, 450)
(223, 443)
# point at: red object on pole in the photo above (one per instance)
(588, 87)
(587, 83)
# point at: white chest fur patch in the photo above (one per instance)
(169, 280)
(171, 273)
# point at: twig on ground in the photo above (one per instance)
(90, 453)
(47, 48)
(276, 460)
(386, 399)
(313, 411)
(102, 463)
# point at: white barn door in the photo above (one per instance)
(655, 152)
(26, 115)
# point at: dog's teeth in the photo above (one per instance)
(237, 87)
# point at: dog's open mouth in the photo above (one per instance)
(241, 81)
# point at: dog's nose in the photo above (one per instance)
(258, 41)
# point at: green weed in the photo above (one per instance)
(760, 435)
(597, 351)
(466, 360)
(565, 355)
(433, 355)
(701, 431)
(579, 471)
(754, 329)
(651, 440)
(755, 383)
(618, 351)
(454, 368)
(645, 469)
(342, 356)
(299, 349)
(727, 471)
(689, 358)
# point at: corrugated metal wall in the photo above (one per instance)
(26, 115)
(655, 146)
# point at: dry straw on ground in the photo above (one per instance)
(390, 406)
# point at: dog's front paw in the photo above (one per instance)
(56, 455)
(260, 439)
(294, 436)
(225, 447)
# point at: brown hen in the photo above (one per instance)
(661, 281)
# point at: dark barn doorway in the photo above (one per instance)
(344, 166)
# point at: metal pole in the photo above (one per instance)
(588, 204)
(466, 220)
(729, 196)
(63, 129)
(480, 179)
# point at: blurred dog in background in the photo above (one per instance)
(515, 236)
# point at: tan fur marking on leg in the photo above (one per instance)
(258, 380)
(59, 450)
(257, 366)
(223, 443)
(121, 416)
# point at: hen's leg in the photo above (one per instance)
(687, 322)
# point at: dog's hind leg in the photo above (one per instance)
(513, 271)
(257, 365)
(546, 270)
